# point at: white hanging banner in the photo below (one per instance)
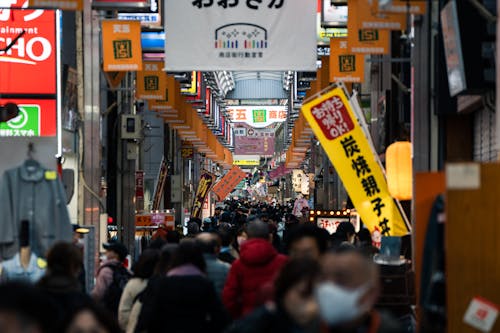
(211, 35)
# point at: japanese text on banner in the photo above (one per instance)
(333, 122)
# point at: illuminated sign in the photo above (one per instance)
(258, 116)
(33, 55)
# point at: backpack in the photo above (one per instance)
(112, 295)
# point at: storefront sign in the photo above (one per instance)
(369, 40)
(333, 15)
(36, 118)
(207, 180)
(121, 43)
(119, 4)
(244, 35)
(150, 18)
(229, 182)
(481, 314)
(402, 7)
(369, 17)
(334, 123)
(247, 162)
(33, 55)
(330, 224)
(57, 4)
(258, 116)
(155, 219)
(345, 66)
(139, 190)
(249, 140)
(151, 81)
(187, 152)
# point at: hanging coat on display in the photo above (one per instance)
(33, 193)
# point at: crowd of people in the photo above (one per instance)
(248, 268)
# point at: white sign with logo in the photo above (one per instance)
(257, 116)
(240, 35)
(481, 314)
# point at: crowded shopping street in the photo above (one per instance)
(249, 166)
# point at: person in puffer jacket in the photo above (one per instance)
(257, 267)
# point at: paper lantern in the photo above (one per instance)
(399, 171)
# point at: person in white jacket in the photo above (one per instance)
(143, 270)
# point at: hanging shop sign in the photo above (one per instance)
(258, 116)
(149, 17)
(139, 190)
(151, 81)
(229, 182)
(333, 121)
(119, 4)
(193, 87)
(37, 117)
(121, 43)
(57, 4)
(244, 35)
(368, 16)
(297, 176)
(207, 180)
(333, 15)
(345, 66)
(402, 7)
(246, 160)
(166, 218)
(366, 40)
(249, 140)
(33, 55)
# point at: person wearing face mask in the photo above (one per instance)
(347, 294)
(294, 309)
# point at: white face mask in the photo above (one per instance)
(339, 305)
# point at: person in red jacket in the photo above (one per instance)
(258, 265)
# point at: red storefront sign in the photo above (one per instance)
(37, 117)
(29, 66)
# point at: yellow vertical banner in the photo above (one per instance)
(121, 44)
(368, 40)
(151, 81)
(345, 66)
(334, 123)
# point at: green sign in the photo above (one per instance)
(259, 116)
(27, 123)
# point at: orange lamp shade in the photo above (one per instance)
(399, 170)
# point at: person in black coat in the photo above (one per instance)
(60, 282)
(185, 300)
(294, 310)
